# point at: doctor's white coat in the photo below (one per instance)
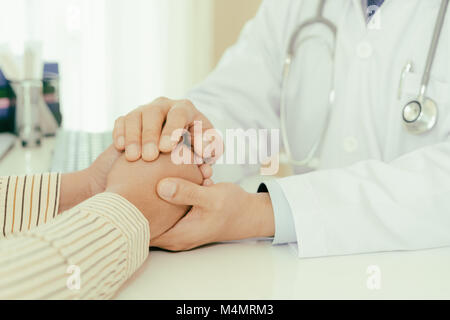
(377, 187)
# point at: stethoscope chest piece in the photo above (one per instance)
(420, 116)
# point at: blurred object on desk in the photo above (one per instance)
(76, 150)
(7, 141)
(24, 74)
(28, 128)
(51, 90)
(7, 109)
(45, 98)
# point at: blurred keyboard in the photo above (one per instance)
(76, 150)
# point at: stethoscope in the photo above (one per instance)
(419, 115)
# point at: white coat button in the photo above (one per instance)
(364, 50)
(350, 144)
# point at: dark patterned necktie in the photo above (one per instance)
(372, 7)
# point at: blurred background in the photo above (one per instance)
(114, 55)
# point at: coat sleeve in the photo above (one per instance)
(373, 206)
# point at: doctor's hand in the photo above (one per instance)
(147, 131)
(221, 212)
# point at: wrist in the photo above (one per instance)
(263, 221)
(93, 187)
(75, 188)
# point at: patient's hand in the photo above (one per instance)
(136, 182)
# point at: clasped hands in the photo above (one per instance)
(184, 208)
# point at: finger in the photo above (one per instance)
(214, 146)
(197, 159)
(208, 182)
(152, 122)
(133, 127)
(206, 141)
(179, 117)
(206, 171)
(183, 192)
(119, 134)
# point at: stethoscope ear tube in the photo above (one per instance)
(292, 48)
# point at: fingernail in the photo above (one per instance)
(132, 151)
(166, 189)
(150, 151)
(167, 143)
(208, 182)
(121, 142)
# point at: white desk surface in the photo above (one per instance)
(258, 270)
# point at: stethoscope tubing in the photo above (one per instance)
(433, 47)
(320, 19)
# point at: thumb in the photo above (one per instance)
(183, 192)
